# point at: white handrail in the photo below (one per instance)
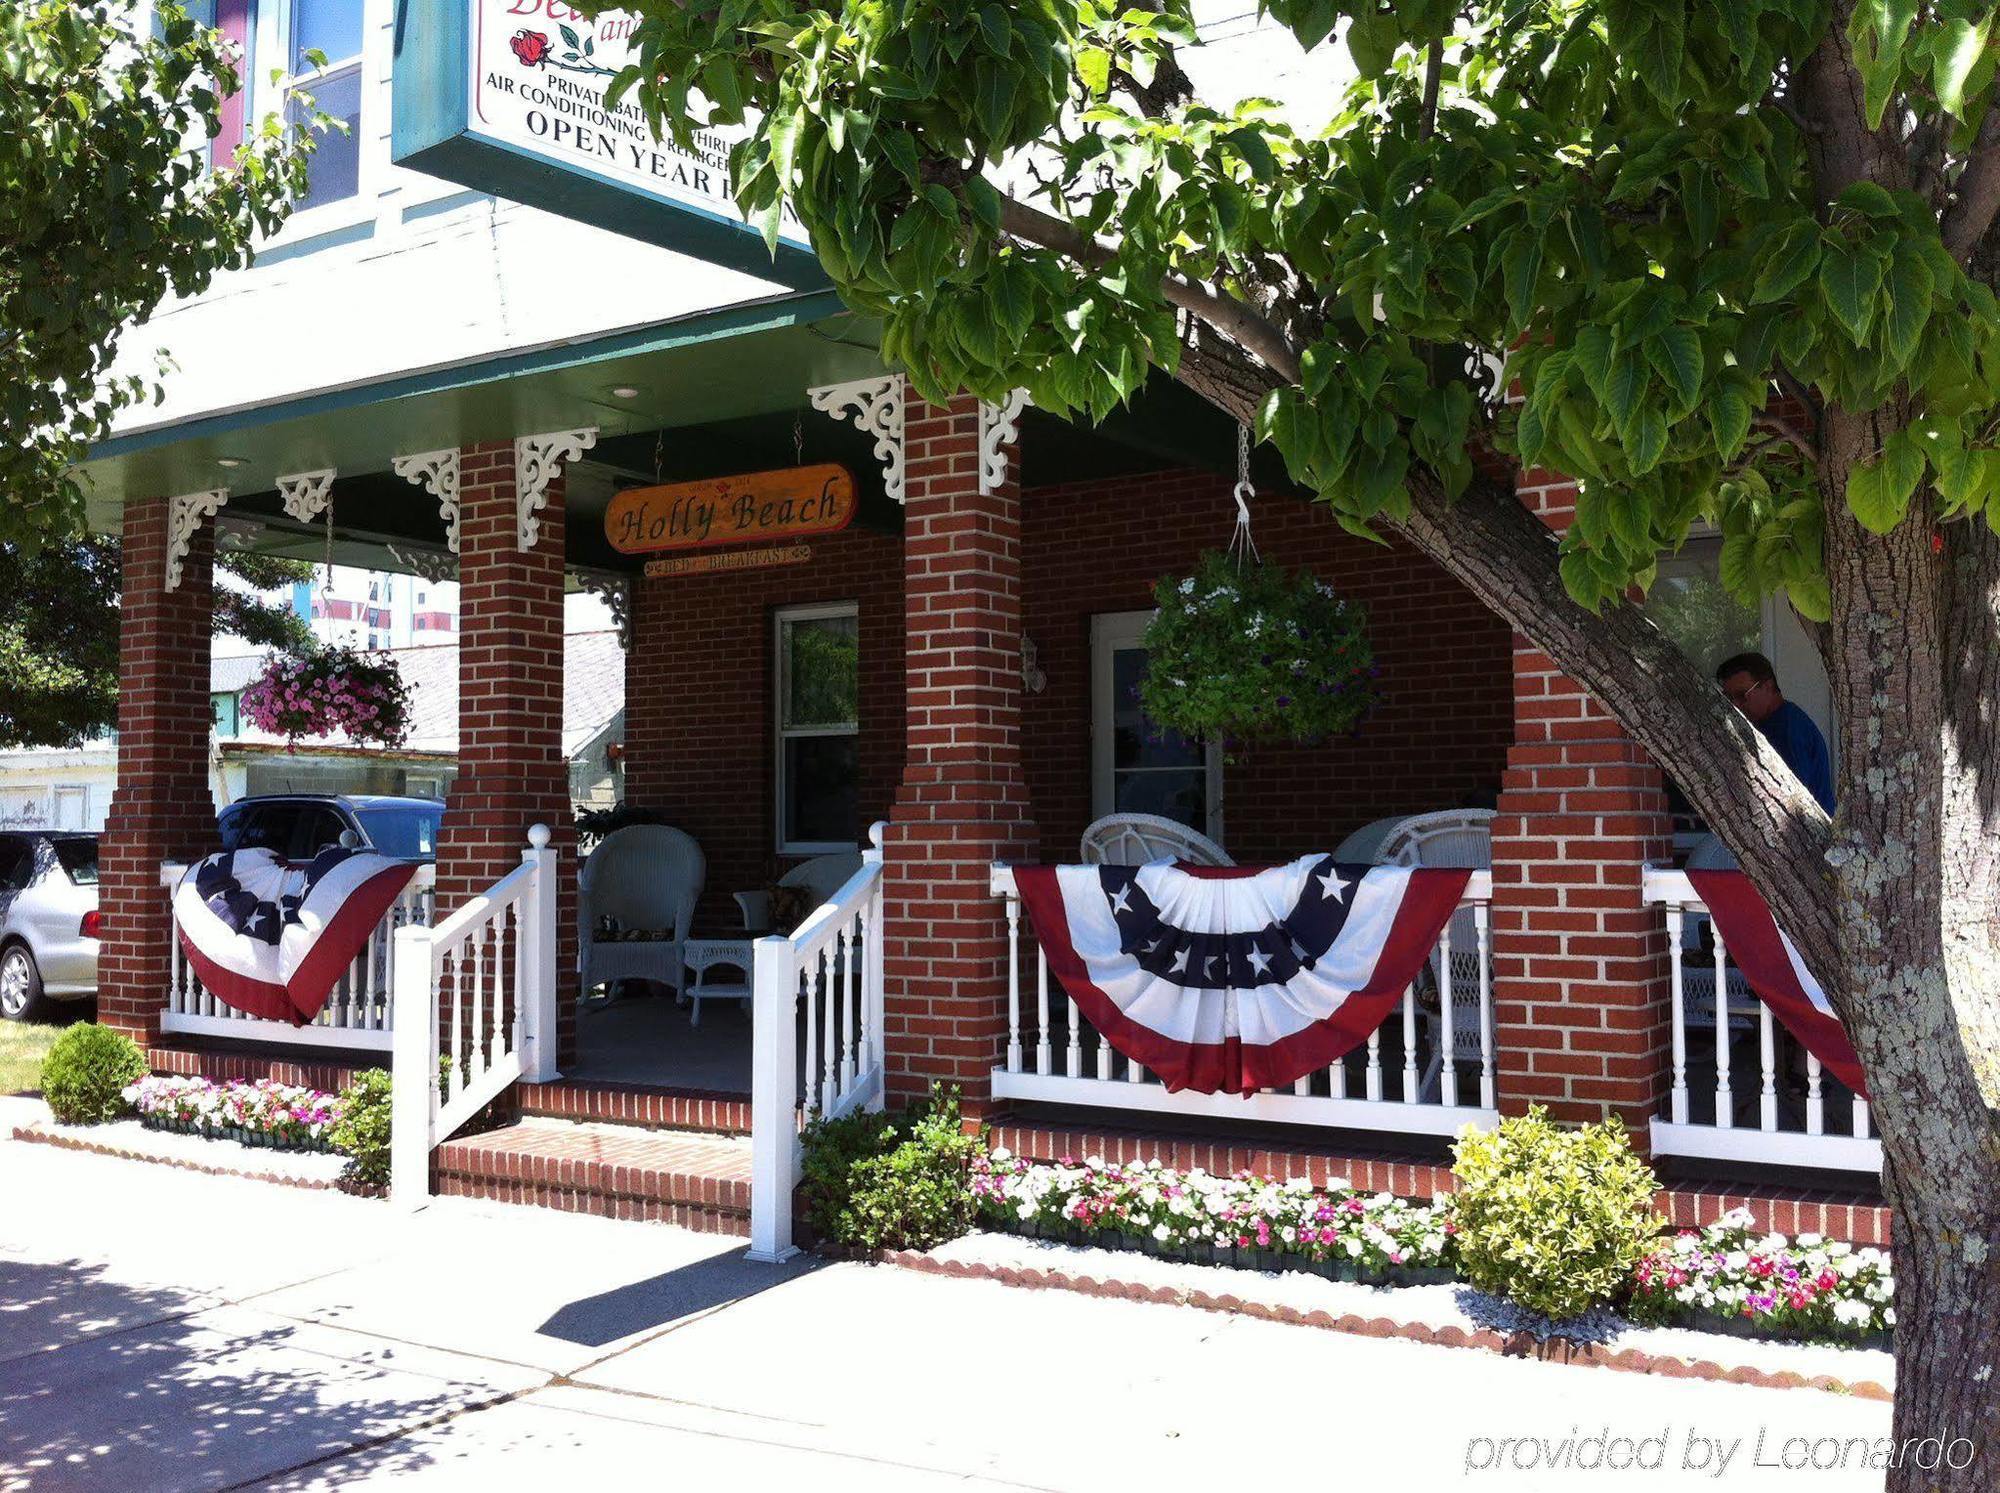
(457, 1052)
(1711, 1005)
(833, 960)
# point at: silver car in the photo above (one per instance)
(48, 920)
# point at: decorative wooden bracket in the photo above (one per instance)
(875, 405)
(537, 460)
(437, 473)
(305, 494)
(999, 428)
(186, 513)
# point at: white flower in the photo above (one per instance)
(1001, 1153)
(1160, 1232)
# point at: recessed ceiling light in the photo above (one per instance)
(232, 461)
(624, 391)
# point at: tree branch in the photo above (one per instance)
(1976, 193)
(1786, 431)
(1242, 323)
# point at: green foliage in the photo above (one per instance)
(876, 1182)
(86, 1073)
(107, 207)
(1553, 1219)
(1606, 204)
(362, 1132)
(1252, 653)
(59, 633)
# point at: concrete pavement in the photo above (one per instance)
(164, 1330)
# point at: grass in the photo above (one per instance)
(23, 1044)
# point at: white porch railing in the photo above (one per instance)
(833, 961)
(1427, 1070)
(359, 1014)
(478, 1012)
(1715, 1109)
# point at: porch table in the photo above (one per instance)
(706, 954)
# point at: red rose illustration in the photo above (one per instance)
(532, 47)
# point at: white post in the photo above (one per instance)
(537, 953)
(872, 951)
(774, 1097)
(413, 1061)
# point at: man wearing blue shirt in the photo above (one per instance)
(1752, 687)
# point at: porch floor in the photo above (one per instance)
(648, 1040)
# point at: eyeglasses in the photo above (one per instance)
(1738, 696)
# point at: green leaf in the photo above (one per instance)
(1592, 349)
(1850, 279)
(1093, 66)
(1522, 265)
(1909, 310)
(999, 30)
(1790, 261)
(1676, 353)
(1646, 441)
(1628, 381)
(1879, 493)
(1955, 50)
(1729, 415)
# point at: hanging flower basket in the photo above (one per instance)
(1255, 653)
(330, 692)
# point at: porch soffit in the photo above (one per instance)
(722, 364)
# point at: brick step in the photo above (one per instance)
(662, 1108)
(615, 1171)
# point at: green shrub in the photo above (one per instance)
(86, 1073)
(362, 1131)
(876, 1182)
(1552, 1219)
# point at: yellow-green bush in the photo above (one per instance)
(1553, 1219)
(87, 1071)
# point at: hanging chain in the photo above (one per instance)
(326, 586)
(1241, 544)
(660, 456)
(798, 438)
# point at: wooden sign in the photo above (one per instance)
(788, 504)
(783, 554)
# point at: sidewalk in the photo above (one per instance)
(167, 1330)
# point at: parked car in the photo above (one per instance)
(299, 825)
(48, 920)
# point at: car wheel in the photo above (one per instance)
(20, 985)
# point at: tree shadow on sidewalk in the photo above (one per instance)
(110, 1385)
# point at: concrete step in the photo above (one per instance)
(694, 1180)
(654, 1108)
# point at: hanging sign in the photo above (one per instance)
(729, 560)
(507, 96)
(791, 503)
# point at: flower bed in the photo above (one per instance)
(256, 1114)
(1728, 1278)
(1725, 1278)
(1242, 1220)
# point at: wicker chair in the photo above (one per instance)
(645, 876)
(821, 876)
(1454, 838)
(1139, 839)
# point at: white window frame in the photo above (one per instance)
(781, 619)
(77, 793)
(272, 41)
(1112, 632)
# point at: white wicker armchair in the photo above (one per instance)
(821, 876)
(1451, 837)
(1137, 839)
(645, 876)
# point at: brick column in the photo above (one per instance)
(963, 802)
(1581, 1002)
(511, 771)
(164, 805)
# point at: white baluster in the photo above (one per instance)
(1336, 1078)
(1303, 1085)
(871, 1040)
(1725, 1105)
(482, 1018)
(1044, 1058)
(1104, 1058)
(829, 1082)
(1375, 1064)
(812, 1032)
(1676, 931)
(454, 1078)
(1133, 1072)
(1767, 1101)
(1860, 1118)
(1074, 1058)
(1410, 1043)
(1815, 1098)
(1482, 929)
(1013, 906)
(1447, 1044)
(850, 955)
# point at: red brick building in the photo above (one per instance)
(989, 601)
